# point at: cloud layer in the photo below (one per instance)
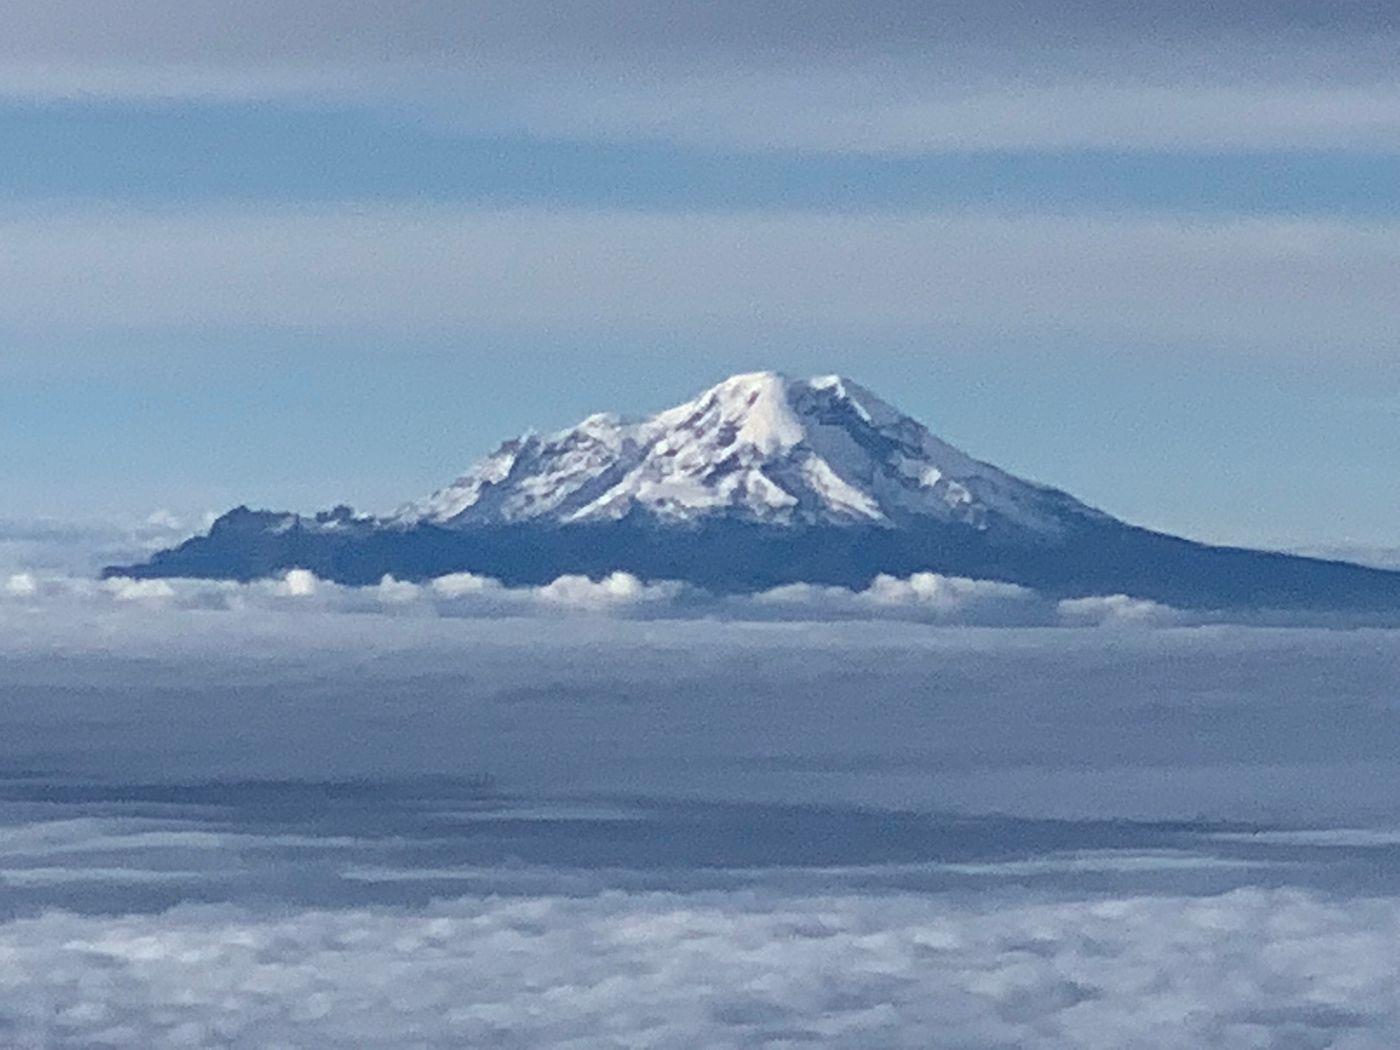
(1237, 722)
(1119, 279)
(302, 775)
(883, 77)
(1251, 968)
(924, 597)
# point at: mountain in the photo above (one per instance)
(759, 481)
(761, 449)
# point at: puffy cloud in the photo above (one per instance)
(22, 585)
(1117, 610)
(463, 584)
(459, 594)
(128, 590)
(618, 589)
(298, 583)
(1251, 967)
(928, 597)
(923, 597)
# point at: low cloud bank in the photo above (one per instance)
(1253, 967)
(922, 597)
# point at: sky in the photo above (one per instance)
(292, 255)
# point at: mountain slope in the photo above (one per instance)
(759, 481)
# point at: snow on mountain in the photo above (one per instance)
(761, 448)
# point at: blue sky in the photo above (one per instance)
(292, 257)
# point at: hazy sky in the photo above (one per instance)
(294, 254)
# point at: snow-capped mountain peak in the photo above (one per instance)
(760, 447)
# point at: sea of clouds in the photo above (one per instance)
(628, 813)
(1251, 968)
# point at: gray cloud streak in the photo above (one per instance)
(1277, 284)
(886, 77)
(325, 29)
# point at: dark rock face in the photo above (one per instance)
(723, 556)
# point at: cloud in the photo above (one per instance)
(878, 77)
(56, 547)
(233, 683)
(926, 597)
(22, 585)
(614, 590)
(298, 583)
(327, 31)
(923, 597)
(665, 969)
(1117, 609)
(460, 594)
(1339, 838)
(905, 113)
(1277, 285)
(128, 590)
(352, 912)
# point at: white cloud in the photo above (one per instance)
(921, 596)
(165, 521)
(22, 585)
(924, 597)
(397, 592)
(614, 590)
(298, 583)
(128, 590)
(1252, 967)
(463, 584)
(1117, 609)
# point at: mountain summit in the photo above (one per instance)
(760, 481)
(759, 448)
